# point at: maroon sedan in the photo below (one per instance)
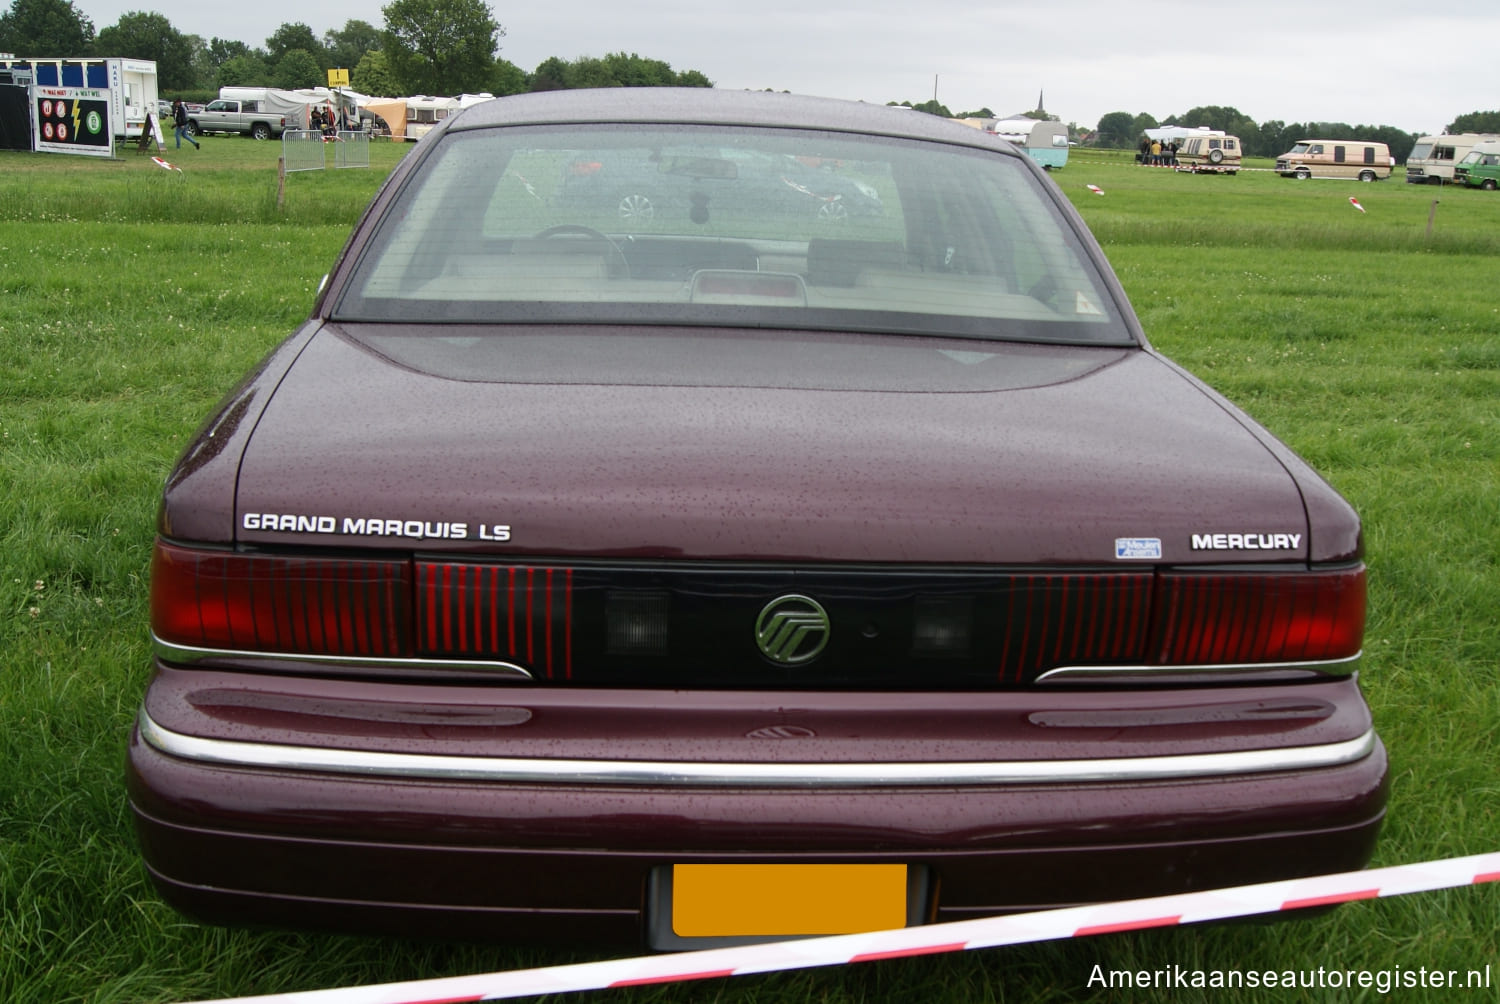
(739, 572)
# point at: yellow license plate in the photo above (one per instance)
(725, 901)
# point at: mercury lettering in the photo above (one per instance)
(1248, 541)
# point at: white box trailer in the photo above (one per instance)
(130, 84)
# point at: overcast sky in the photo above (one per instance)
(1376, 62)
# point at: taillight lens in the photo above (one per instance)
(513, 612)
(279, 603)
(1232, 618)
(1075, 619)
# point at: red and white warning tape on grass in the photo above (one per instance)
(990, 932)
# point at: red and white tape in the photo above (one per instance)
(933, 939)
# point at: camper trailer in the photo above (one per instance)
(1336, 158)
(1198, 149)
(423, 112)
(1044, 141)
(130, 84)
(1433, 158)
(1217, 153)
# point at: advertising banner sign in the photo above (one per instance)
(73, 120)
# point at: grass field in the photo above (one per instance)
(132, 297)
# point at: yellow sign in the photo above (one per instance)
(338, 78)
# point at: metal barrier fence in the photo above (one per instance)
(302, 150)
(352, 150)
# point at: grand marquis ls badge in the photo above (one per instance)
(791, 630)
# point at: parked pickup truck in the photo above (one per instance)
(230, 115)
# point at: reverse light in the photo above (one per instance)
(942, 626)
(637, 623)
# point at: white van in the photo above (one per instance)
(1336, 158)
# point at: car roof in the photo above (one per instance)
(710, 106)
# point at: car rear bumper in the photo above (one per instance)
(263, 800)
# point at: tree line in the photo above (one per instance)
(441, 47)
(1122, 130)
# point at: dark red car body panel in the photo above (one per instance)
(852, 472)
(525, 862)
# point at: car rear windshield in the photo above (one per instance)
(735, 227)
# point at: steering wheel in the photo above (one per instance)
(619, 265)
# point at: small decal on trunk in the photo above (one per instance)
(1138, 548)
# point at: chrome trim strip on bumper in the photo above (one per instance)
(680, 774)
(183, 656)
(1164, 674)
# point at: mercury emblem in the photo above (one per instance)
(792, 630)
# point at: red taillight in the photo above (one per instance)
(1063, 620)
(516, 612)
(584, 168)
(1232, 618)
(278, 603)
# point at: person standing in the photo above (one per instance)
(180, 120)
